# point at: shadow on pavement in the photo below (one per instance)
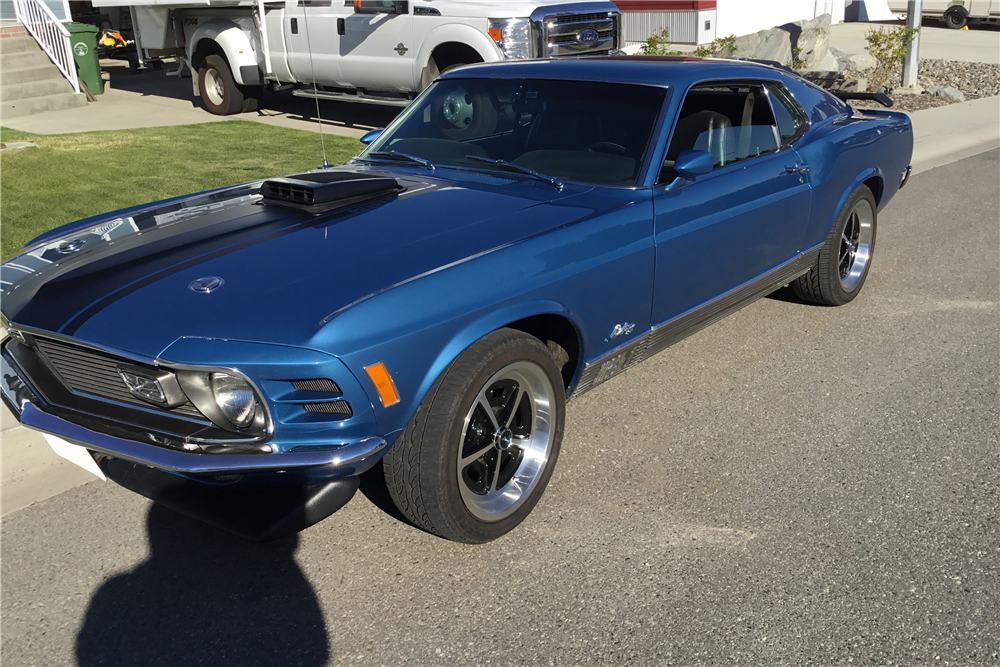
(204, 593)
(156, 83)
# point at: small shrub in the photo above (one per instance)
(724, 47)
(797, 63)
(656, 45)
(888, 48)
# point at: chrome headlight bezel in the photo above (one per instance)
(200, 389)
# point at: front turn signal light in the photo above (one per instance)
(383, 384)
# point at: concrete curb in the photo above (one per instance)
(32, 472)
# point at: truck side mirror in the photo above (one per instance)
(381, 7)
(371, 136)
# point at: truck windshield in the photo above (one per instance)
(572, 130)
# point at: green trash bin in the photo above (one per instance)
(83, 41)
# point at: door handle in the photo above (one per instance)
(798, 168)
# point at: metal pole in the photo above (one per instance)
(914, 11)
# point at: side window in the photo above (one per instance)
(790, 117)
(732, 121)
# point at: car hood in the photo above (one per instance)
(126, 281)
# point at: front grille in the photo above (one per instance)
(566, 39)
(577, 18)
(87, 371)
(561, 34)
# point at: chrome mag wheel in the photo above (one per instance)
(856, 244)
(506, 441)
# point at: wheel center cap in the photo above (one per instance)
(504, 439)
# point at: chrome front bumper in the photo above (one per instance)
(350, 459)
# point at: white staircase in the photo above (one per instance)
(30, 82)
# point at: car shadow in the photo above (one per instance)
(786, 294)
(205, 595)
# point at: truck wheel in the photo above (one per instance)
(462, 114)
(478, 453)
(956, 18)
(218, 88)
(251, 97)
(846, 257)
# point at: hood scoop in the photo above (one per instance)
(322, 192)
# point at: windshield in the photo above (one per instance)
(573, 130)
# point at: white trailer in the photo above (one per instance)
(381, 51)
(956, 14)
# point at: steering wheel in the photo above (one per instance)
(606, 147)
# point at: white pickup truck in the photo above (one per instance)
(358, 50)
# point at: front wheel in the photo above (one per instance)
(476, 457)
(845, 259)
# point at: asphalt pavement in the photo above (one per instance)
(793, 485)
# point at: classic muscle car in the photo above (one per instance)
(518, 235)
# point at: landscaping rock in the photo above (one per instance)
(828, 63)
(775, 44)
(813, 40)
(947, 92)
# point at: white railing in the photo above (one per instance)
(50, 34)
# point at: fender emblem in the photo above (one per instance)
(400, 49)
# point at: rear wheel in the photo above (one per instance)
(845, 259)
(956, 18)
(476, 457)
(219, 91)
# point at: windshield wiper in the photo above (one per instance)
(396, 155)
(551, 180)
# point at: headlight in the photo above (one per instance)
(513, 36)
(235, 398)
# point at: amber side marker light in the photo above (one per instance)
(496, 34)
(383, 383)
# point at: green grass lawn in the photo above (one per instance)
(73, 176)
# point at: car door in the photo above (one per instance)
(735, 224)
(377, 49)
(311, 40)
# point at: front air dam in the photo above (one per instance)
(254, 514)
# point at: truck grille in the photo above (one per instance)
(561, 34)
(87, 371)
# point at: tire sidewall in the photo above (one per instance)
(440, 476)
(230, 104)
(832, 263)
(955, 18)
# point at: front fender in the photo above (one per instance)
(233, 41)
(455, 32)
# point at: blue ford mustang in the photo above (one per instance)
(521, 233)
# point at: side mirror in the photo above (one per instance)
(371, 136)
(694, 163)
(381, 7)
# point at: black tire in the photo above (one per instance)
(251, 97)
(852, 242)
(956, 18)
(424, 471)
(219, 91)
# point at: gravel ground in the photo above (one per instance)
(975, 80)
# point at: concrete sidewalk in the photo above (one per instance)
(154, 99)
(981, 44)
(32, 472)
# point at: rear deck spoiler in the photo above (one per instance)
(847, 96)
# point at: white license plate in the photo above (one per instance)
(74, 454)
